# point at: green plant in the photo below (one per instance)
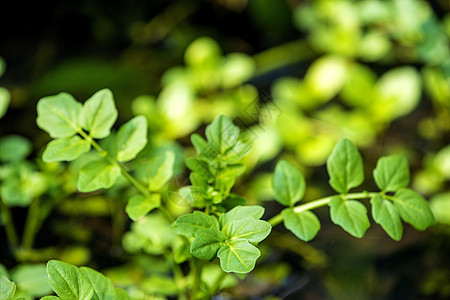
(221, 225)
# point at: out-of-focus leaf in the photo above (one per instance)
(14, 148)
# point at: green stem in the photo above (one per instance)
(11, 233)
(277, 219)
(31, 225)
(134, 182)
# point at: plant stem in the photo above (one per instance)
(31, 225)
(277, 219)
(178, 275)
(11, 233)
(134, 182)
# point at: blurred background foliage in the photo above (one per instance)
(296, 76)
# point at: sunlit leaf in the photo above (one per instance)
(67, 281)
(96, 175)
(288, 184)
(99, 114)
(392, 173)
(238, 256)
(304, 225)
(414, 209)
(103, 286)
(387, 215)
(138, 205)
(345, 167)
(189, 224)
(59, 115)
(7, 288)
(351, 215)
(206, 243)
(131, 138)
(65, 149)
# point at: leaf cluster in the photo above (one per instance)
(215, 169)
(392, 204)
(233, 237)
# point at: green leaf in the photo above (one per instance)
(7, 288)
(232, 201)
(4, 101)
(103, 286)
(249, 229)
(238, 256)
(58, 115)
(67, 281)
(121, 294)
(387, 215)
(241, 212)
(288, 184)
(392, 173)
(350, 215)
(65, 149)
(189, 224)
(50, 298)
(414, 209)
(222, 133)
(160, 170)
(138, 206)
(205, 150)
(237, 152)
(96, 175)
(206, 243)
(31, 279)
(99, 114)
(131, 138)
(304, 224)
(14, 148)
(198, 166)
(345, 167)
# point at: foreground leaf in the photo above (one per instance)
(7, 288)
(103, 286)
(387, 215)
(99, 114)
(304, 225)
(205, 150)
(97, 175)
(222, 133)
(414, 209)
(248, 228)
(189, 224)
(392, 173)
(238, 256)
(65, 149)
(58, 115)
(131, 138)
(241, 212)
(139, 206)
(288, 184)
(67, 281)
(350, 215)
(345, 167)
(206, 243)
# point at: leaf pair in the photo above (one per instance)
(392, 175)
(289, 188)
(66, 120)
(72, 283)
(232, 238)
